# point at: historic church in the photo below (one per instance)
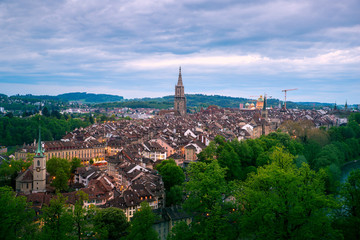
(33, 179)
(180, 99)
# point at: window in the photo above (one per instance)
(38, 162)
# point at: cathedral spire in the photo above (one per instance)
(264, 106)
(180, 83)
(39, 150)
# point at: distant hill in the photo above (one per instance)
(75, 96)
(89, 97)
(196, 101)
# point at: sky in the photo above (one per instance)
(133, 48)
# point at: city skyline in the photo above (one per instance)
(134, 49)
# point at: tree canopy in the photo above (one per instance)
(282, 201)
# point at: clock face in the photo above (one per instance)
(38, 169)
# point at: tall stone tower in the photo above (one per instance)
(39, 168)
(180, 100)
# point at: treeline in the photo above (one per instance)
(57, 221)
(196, 101)
(89, 97)
(17, 131)
(66, 97)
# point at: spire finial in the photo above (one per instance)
(180, 83)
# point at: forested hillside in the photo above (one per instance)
(17, 131)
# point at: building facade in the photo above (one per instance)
(180, 100)
(85, 151)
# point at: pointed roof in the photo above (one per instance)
(180, 83)
(264, 106)
(39, 151)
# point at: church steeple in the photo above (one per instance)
(39, 151)
(180, 99)
(39, 168)
(264, 106)
(180, 83)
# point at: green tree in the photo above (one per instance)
(173, 176)
(175, 195)
(207, 192)
(181, 231)
(9, 171)
(229, 159)
(91, 119)
(110, 223)
(57, 219)
(56, 114)
(75, 163)
(16, 219)
(80, 216)
(354, 117)
(282, 201)
(142, 224)
(45, 111)
(59, 169)
(348, 219)
(171, 173)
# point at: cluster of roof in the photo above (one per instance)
(132, 144)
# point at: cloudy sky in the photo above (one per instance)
(134, 48)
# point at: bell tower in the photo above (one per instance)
(39, 168)
(180, 100)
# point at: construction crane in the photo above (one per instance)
(286, 90)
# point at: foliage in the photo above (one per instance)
(207, 192)
(17, 131)
(75, 163)
(171, 173)
(175, 195)
(16, 219)
(282, 201)
(59, 169)
(89, 97)
(57, 219)
(354, 117)
(9, 171)
(241, 158)
(142, 224)
(55, 163)
(348, 219)
(173, 176)
(181, 231)
(45, 111)
(80, 216)
(110, 223)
